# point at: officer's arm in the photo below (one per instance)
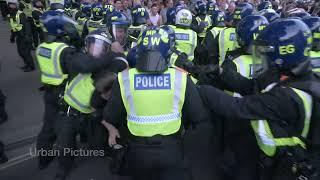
(274, 105)
(85, 31)
(234, 81)
(74, 61)
(193, 110)
(204, 48)
(26, 26)
(114, 112)
(194, 25)
(213, 49)
(36, 15)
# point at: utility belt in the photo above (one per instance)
(65, 109)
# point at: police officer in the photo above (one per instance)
(264, 5)
(226, 39)
(287, 85)
(108, 9)
(67, 7)
(241, 60)
(236, 77)
(26, 7)
(314, 25)
(218, 23)
(57, 58)
(77, 98)
(75, 10)
(37, 32)
(211, 6)
(96, 21)
(201, 22)
(3, 9)
(84, 16)
(118, 28)
(185, 37)
(154, 126)
(140, 17)
(21, 34)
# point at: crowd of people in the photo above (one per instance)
(132, 77)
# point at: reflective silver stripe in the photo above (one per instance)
(96, 36)
(153, 119)
(263, 134)
(221, 42)
(56, 74)
(127, 91)
(123, 59)
(242, 67)
(191, 53)
(177, 91)
(156, 118)
(214, 33)
(307, 102)
(74, 82)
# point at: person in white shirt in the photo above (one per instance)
(155, 18)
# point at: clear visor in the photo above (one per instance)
(260, 61)
(120, 34)
(96, 46)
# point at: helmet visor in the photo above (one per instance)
(120, 33)
(97, 46)
(260, 59)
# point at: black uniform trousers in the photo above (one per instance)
(24, 50)
(157, 159)
(48, 133)
(3, 8)
(70, 124)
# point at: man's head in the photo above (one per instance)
(154, 9)
(169, 3)
(118, 5)
(125, 4)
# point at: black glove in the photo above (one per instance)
(209, 74)
(181, 60)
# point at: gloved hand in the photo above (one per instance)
(209, 74)
(181, 60)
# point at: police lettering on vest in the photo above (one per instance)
(181, 36)
(149, 82)
(45, 52)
